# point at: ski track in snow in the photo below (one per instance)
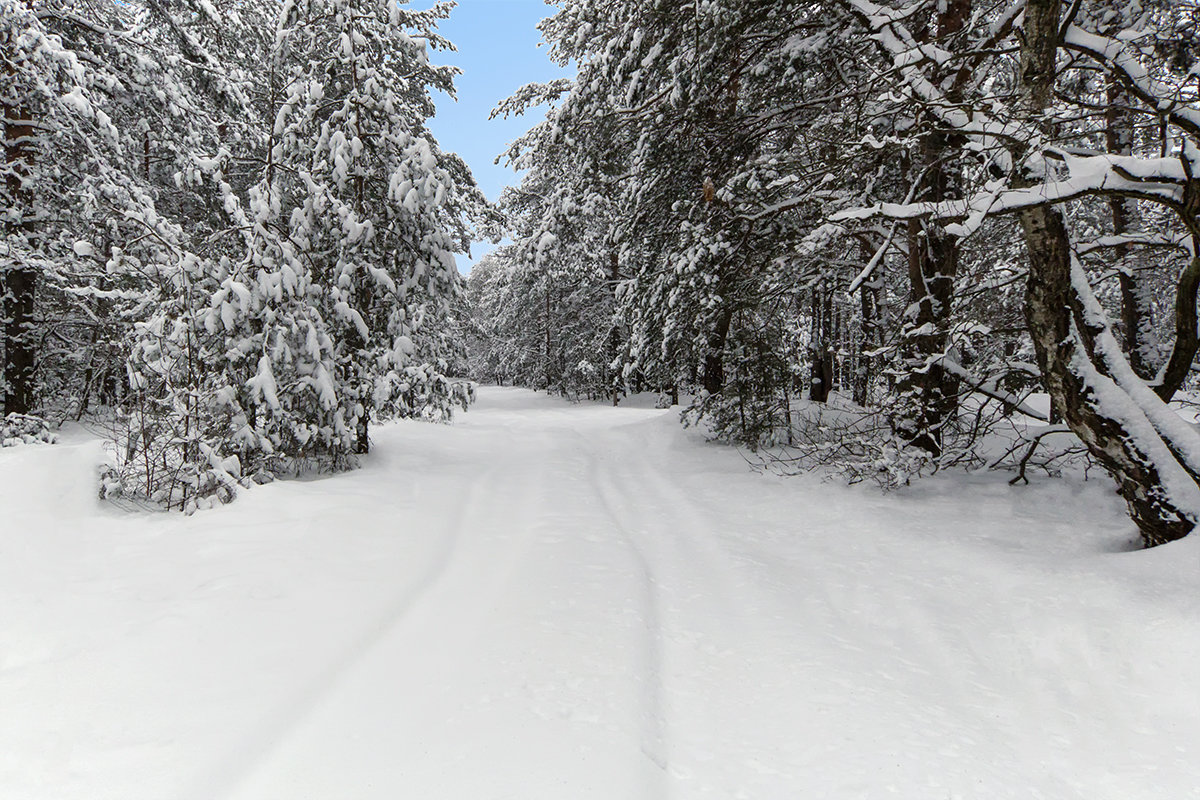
(555, 601)
(654, 724)
(256, 747)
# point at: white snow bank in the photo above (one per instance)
(548, 600)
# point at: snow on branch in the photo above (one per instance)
(909, 57)
(867, 271)
(991, 388)
(1163, 180)
(531, 95)
(1116, 57)
(1132, 239)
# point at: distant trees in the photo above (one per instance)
(851, 196)
(231, 222)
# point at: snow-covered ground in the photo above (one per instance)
(570, 602)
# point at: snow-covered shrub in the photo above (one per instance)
(422, 392)
(232, 379)
(856, 443)
(838, 438)
(25, 429)
(170, 466)
(1049, 449)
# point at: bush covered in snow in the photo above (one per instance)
(25, 429)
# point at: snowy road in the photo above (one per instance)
(555, 601)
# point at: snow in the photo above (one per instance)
(547, 600)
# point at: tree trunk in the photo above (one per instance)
(19, 358)
(713, 379)
(1109, 422)
(869, 302)
(929, 391)
(1187, 342)
(1135, 298)
(18, 283)
(821, 381)
(1052, 313)
(362, 442)
(614, 331)
(548, 379)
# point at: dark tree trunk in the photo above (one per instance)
(713, 379)
(18, 283)
(929, 391)
(19, 358)
(1183, 352)
(548, 378)
(1135, 300)
(821, 380)
(362, 441)
(869, 304)
(614, 331)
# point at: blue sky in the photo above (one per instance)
(498, 52)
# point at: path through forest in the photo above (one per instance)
(547, 600)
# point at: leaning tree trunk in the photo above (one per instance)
(1160, 492)
(18, 282)
(1187, 338)
(1092, 405)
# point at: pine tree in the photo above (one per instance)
(325, 297)
(378, 208)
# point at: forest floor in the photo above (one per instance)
(558, 601)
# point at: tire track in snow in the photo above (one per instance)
(735, 571)
(699, 547)
(654, 743)
(704, 613)
(275, 729)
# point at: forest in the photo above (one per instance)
(881, 238)
(810, 410)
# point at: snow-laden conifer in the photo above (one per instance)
(321, 298)
(370, 200)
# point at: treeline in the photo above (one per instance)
(873, 230)
(227, 220)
